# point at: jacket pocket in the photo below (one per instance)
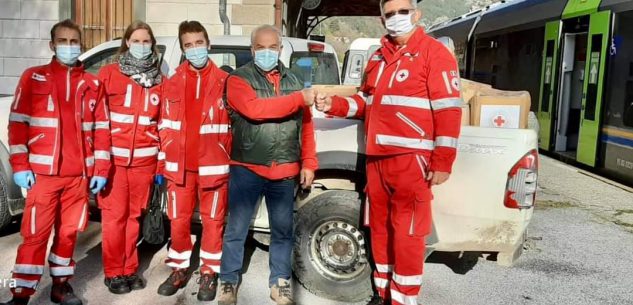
(411, 124)
(422, 164)
(155, 138)
(35, 139)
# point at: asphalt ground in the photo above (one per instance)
(579, 251)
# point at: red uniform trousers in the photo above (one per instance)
(121, 202)
(182, 201)
(56, 201)
(399, 217)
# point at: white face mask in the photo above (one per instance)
(399, 25)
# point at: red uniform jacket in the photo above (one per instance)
(215, 136)
(134, 115)
(34, 123)
(410, 101)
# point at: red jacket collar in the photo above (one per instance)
(56, 66)
(216, 73)
(391, 50)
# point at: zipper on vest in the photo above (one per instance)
(68, 85)
(394, 74)
(146, 99)
(411, 124)
(198, 87)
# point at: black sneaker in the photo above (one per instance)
(17, 301)
(117, 284)
(208, 287)
(377, 300)
(62, 293)
(176, 280)
(135, 282)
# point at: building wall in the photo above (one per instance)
(165, 15)
(25, 26)
(24, 35)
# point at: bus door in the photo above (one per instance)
(593, 92)
(548, 82)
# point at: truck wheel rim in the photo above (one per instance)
(337, 250)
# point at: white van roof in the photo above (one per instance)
(364, 43)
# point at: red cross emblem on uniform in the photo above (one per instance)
(499, 121)
(402, 75)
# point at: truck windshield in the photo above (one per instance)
(324, 67)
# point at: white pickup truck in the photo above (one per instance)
(486, 205)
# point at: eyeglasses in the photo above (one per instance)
(404, 11)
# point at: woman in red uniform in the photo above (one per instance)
(133, 88)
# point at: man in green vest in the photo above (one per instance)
(273, 144)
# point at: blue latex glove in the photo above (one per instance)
(159, 179)
(97, 183)
(24, 179)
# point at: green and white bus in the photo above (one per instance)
(576, 59)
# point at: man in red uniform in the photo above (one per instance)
(58, 131)
(273, 144)
(410, 101)
(195, 141)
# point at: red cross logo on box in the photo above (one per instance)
(499, 121)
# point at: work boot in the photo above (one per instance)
(208, 286)
(135, 282)
(176, 280)
(17, 301)
(62, 293)
(228, 294)
(281, 292)
(117, 284)
(377, 300)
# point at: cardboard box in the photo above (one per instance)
(338, 90)
(465, 115)
(500, 109)
(470, 89)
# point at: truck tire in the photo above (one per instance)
(331, 250)
(5, 214)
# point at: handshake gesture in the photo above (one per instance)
(322, 101)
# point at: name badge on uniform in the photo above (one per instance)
(38, 77)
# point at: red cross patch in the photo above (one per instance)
(499, 121)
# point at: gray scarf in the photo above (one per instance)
(143, 71)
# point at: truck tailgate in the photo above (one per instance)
(469, 212)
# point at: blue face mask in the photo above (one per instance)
(198, 57)
(68, 54)
(140, 50)
(266, 59)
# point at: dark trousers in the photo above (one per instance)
(245, 188)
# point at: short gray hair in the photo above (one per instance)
(266, 28)
(414, 4)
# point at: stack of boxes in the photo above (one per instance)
(489, 107)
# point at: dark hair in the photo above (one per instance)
(136, 25)
(69, 24)
(191, 27)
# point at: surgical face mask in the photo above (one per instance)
(198, 57)
(140, 50)
(398, 25)
(266, 59)
(68, 54)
